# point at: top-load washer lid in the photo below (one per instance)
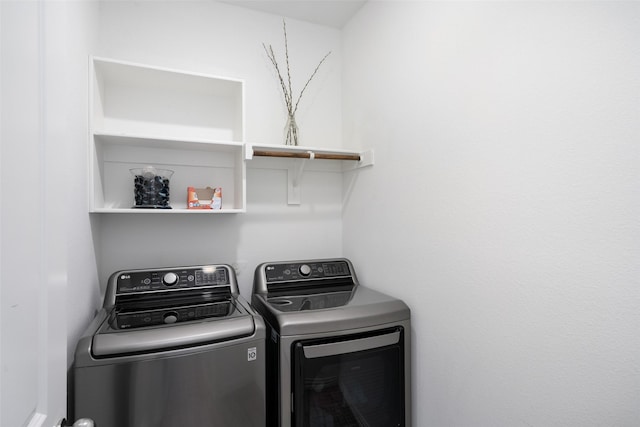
(172, 308)
(316, 296)
(111, 339)
(157, 309)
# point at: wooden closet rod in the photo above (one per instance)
(306, 155)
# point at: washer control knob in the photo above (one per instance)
(170, 279)
(305, 270)
(170, 317)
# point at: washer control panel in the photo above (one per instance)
(178, 278)
(297, 271)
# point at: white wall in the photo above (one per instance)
(219, 39)
(503, 206)
(76, 26)
(20, 229)
(47, 254)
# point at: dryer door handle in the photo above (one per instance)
(351, 346)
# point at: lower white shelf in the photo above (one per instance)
(196, 164)
(168, 211)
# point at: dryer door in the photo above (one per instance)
(351, 381)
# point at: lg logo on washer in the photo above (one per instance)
(252, 354)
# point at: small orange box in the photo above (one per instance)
(204, 198)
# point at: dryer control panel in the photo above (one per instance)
(304, 276)
(297, 271)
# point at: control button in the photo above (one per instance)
(305, 270)
(170, 317)
(147, 281)
(170, 279)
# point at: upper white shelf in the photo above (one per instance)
(151, 141)
(137, 99)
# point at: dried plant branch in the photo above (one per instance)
(309, 81)
(286, 52)
(286, 86)
(272, 57)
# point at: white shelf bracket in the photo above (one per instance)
(366, 159)
(294, 178)
(248, 151)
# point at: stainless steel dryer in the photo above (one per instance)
(172, 347)
(338, 353)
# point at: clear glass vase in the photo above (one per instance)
(291, 131)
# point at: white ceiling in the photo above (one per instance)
(330, 13)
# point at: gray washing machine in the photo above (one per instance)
(172, 347)
(338, 353)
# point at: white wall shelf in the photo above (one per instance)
(190, 123)
(353, 159)
(301, 155)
